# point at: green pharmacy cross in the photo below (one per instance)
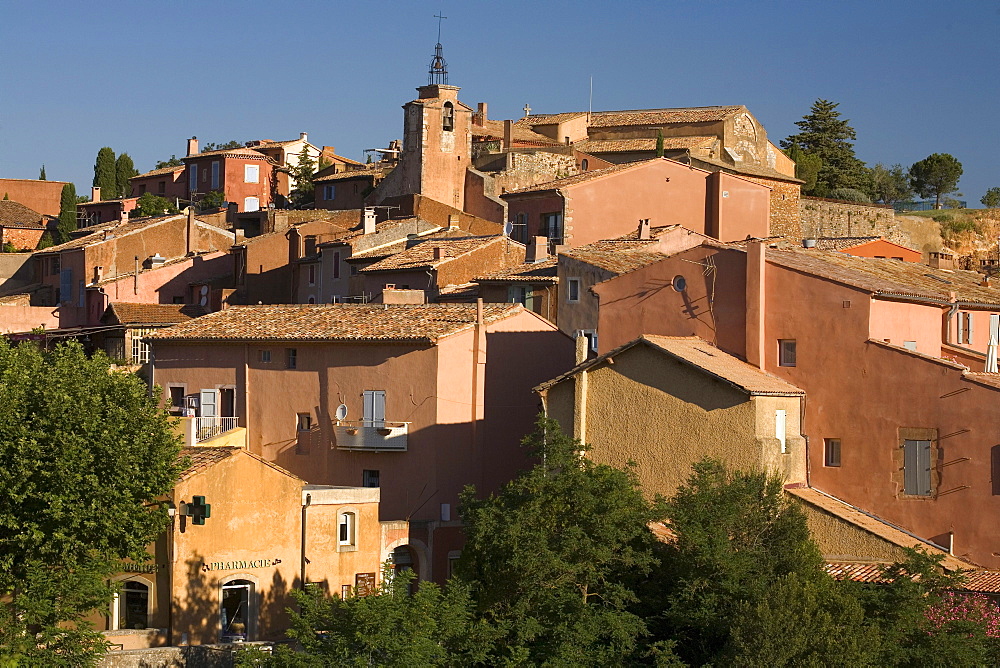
(198, 510)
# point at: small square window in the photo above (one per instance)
(265, 356)
(831, 452)
(251, 174)
(786, 352)
(345, 591)
(370, 478)
(291, 358)
(304, 421)
(573, 290)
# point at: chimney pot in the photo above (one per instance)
(438, 253)
(368, 220)
(95, 194)
(536, 250)
(481, 114)
(192, 146)
(304, 136)
(508, 132)
(644, 228)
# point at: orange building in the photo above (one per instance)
(899, 412)
(419, 400)
(243, 534)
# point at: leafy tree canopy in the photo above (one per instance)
(303, 173)
(226, 145)
(105, 176)
(890, 184)
(86, 455)
(991, 199)
(173, 162)
(212, 200)
(824, 134)
(935, 175)
(124, 170)
(149, 204)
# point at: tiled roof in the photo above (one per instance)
(161, 171)
(982, 581)
(856, 571)
(236, 152)
(114, 229)
(351, 174)
(528, 272)
(616, 256)
(202, 457)
(746, 169)
(640, 144)
(519, 133)
(421, 254)
(608, 119)
(154, 314)
(15, 214)
(549, 119)
(423, 323)
(874, 525)
(889, 277)
(702, 355)
(576, 179)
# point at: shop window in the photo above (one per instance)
(131, 606)
(831, 452)
(237, 615)
(786, 352)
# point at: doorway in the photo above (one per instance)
(237, 619)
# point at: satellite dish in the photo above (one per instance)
(508, 227)
(341, 412)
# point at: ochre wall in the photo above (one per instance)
(897, 322)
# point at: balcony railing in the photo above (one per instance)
(371, 436)
(210, 427)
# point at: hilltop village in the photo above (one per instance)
(651, 279)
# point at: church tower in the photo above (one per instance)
(437, 141)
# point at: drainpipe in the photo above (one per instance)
(755, 303)
(952, 310)
(246, 395)
(305, 511)
(135, 276)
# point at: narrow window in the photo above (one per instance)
(251, 173)
(917, 467)
(265, 356)
(330, 192)
(142, 188)
(291, 358)
(780, 418)
(573, 290)
(193, 178)
(831, 452)
(448, 117)
(584, 164)
(786, 352)
(215, 175)
(347, 529)
(336, 264)
(161, 187)
(370, 478)
(373, 413)
(312, 274)
(303, 421)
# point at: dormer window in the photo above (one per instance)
(448, 117)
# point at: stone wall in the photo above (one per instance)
(192, 656)
(521, 169)
(785, 206)
(837, 218)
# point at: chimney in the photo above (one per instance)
(644, 229)
(582, 347)
(124, 215)
(438, 253)
(480, 117)
(536, 250)
(755, 304)
(508, 132)
(193, 146)
(95, 194)
(304, 136)
(452, 221)
(189, 231)
(368, 220)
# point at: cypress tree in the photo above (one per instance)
(41, 173)
(659, 143)
(67, 213)
(124, 170)
(104, 173)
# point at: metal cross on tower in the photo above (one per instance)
(438, 72)
(527, 109)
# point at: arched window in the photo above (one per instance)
(448, 117)
(131, 606)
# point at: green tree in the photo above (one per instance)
(173, 162)
(659, 143)
(41, 173)
(149, 204)
(226, 145)
(67, 213)
(549, 559)
(991, 199)
(124, 170)
(826, 135)
(212, 200)
(304, 192)
(807, 166)
(890, 184)
(935, 175)
(737, 535)
(849, 195)
(87, 453)
(104, 173)
(46, 241)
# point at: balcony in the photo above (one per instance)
(221, 431)
(370, 436)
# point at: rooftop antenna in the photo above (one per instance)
(438, 72)
(590, 106)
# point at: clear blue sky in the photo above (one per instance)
(914, 77)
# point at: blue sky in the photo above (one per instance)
(914, 78)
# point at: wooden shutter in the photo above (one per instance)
(917, 468)
(209, 403)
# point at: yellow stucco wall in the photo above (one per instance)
(839, 540)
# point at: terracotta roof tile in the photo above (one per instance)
(519, 133)
(616, 256)
(15, 214)
(202, 457)
(377, 173)
(234, 152)
(550, 119)
(528, 272)
(579, 178)
(987, 582)
(161, 171)
(423, 323)
(596, 146)
(746, 169)
(840, 243)
(645, 117)
(874, 525)
(154, 314)
(889, 277)
(114, 229)
(856, 571)
(421, 253)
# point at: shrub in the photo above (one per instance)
(850, 195)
